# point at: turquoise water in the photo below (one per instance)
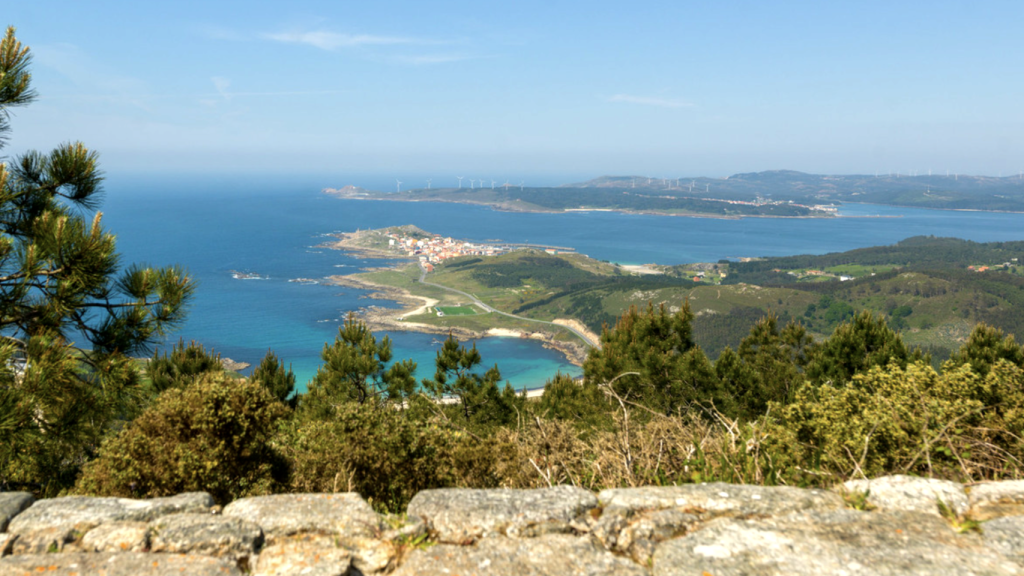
(272, 228)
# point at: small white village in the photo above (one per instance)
(434, 249)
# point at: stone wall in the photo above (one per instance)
(891, 525)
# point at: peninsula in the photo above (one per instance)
(444, 307)
(767, 194)
(585, 199)
(933, 289)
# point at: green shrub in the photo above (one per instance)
(380, 453)
(984, 347)
(906, 420)
(214, 436)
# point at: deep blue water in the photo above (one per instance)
(272, 228)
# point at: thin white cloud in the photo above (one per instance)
(325, 40)
(650, 101)
(222, 84)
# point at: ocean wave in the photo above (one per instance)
(247, 276)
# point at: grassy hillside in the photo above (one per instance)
(934, 290)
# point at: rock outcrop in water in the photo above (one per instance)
(890, 525)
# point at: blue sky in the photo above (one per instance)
(528, 89)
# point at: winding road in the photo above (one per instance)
(486, 308)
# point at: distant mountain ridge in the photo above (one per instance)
(955, 191)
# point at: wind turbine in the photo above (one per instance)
(399, 186)
(521, 185)
(492, 184)
(471, 183)
(460, 181)
(428, 183)
(506, 185)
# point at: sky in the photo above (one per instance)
(542, 90)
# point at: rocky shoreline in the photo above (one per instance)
(891, 525)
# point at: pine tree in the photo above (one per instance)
(272, 375)
(479, 400)
(650, 358)
(70, 316)
(183, 366)
(355, 370)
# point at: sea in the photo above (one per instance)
(248, 239)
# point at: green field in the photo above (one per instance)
(457, 310)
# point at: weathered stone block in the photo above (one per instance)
(835, 542)
(910, 493)
(718, 499)
(44, 541)
(117, 537)
(116, 564)
(995, 499)
(641, 536)
(84, 512)
(550, 555)
(11, 504)
(346, 514)
(461, 515)
(304, 555)
(206, 534)
(1006, 536)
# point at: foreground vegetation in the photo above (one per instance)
(651, 409)
(779, 407)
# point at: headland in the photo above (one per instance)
(443, 309)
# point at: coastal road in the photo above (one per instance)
(475, 300)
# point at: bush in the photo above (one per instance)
(984, 347)
(382, 454)
(214, 436)
(909, 420)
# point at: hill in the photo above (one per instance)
(934, 290)
(951, 192)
